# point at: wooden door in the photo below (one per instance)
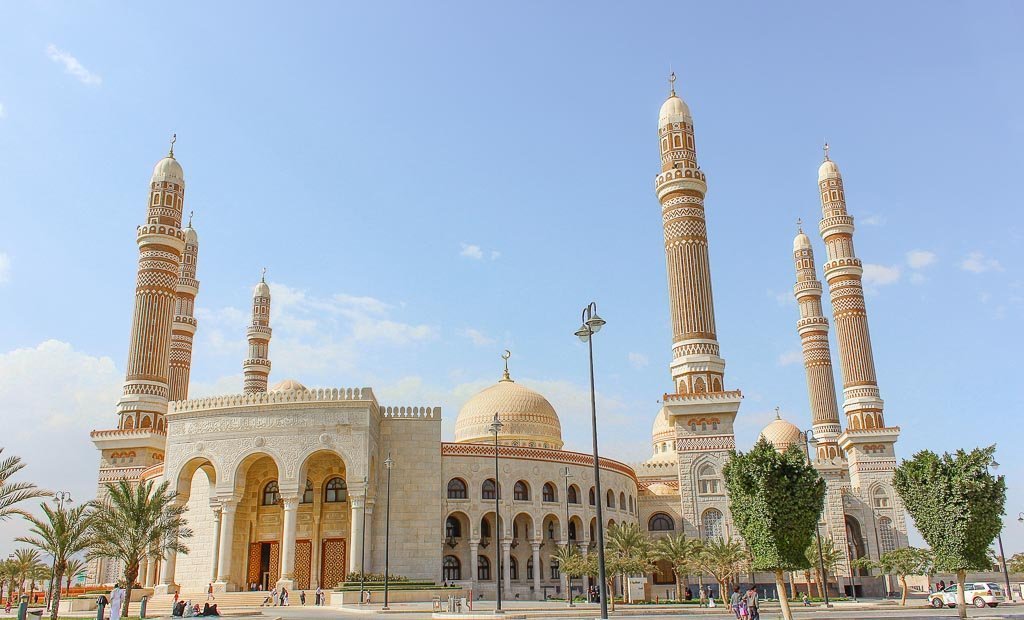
(303, 563)
(332, 562)
(275, 562)
(253, 574)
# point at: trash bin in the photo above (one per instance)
(142, 606)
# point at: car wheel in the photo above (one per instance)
(979, 603)
(937, 602)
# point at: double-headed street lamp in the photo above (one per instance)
(817, 526)
(495, 428)
(388, 463)
(592, 323)
(60, 497)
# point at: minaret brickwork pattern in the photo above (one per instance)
(843, 271)
(184, 328)
(813, 329)
(257, 366)
(681, 186)
(161, 244)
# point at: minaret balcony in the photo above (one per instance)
(835, 225)
(807, 287)
(256, 364)
(258, 332)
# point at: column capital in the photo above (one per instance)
(290, 503)
(534, 545)
(226, 504)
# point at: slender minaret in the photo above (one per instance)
(813, 330)
(183, 329)
(161, 244)
(696, 366)
(257, 366)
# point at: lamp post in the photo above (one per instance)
(387, 532)
(362, 546)
(60, 497)
(495, 428)
(592, 323)
(568, 542)
(817, 525)
(849, 561)
(1002, 554)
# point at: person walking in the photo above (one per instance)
(302, 597)
(752, 601)
(319, 596)
(734, 601)
(209, 593)
(703, 597)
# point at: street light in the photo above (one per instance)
(495, 428)
(592, 323)
(362, 546)
(568, 543)
(817, 525)
(387, 532)
(60, 497)
(999, 537)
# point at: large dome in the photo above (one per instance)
(168, 169)
(674, 110)
(528, 418)
(782, 434)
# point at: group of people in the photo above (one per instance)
(745, 604)
(185, 609)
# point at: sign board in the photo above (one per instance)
(635, 586)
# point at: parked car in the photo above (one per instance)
(978, 594)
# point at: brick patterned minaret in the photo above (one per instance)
(257, 365)
(161, 244)
(813, 329)
(184, 328)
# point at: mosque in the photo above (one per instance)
(288, 485)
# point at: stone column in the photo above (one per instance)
(216, 544)
(583, 548)
(143, 577)
(287, 580)
(535, 546)
(368, 532)
(167, 585)
(474, 555)
(227, 531)
(506, 566)
(356, 538)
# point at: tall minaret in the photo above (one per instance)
(698, 414)
(867, 437)
(161, 244)
(257, 366)
(184, 328)
(813, 330)
(696, 366)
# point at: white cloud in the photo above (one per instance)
(471, 251)
(919, 259)
(977, 262)
(478, 338)
(872, 220)
(791, 357)
(880, 275)
(73, 66)
(5, 268)
(638, 360)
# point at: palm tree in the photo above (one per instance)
(12, 493)
(724, 559)
(569, 564)
(63, 533)
(136, 521)
(75, 567)
(8, 575)
(39, 572)
(628, 551)
(682, 554)
(26, 561)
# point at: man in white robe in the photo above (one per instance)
(116, 601)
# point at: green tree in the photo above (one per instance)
(683, 554)
(75, 567)
(8, 576)
(628, 551)
(776, 500)
(898, 562)
(13, 493)
(830, 558)
(1016, 563)
(61, 533)
(136, 521)
(26, 563)
(723, 560)
(570, 565)
(957, 505)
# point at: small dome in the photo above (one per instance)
(168, 169)
(663, 437)
(288, 385)
(674, 110)
(828, 170)
(782, 434)
(801, 242)
(528, 418)
(261, 290)
(191, 237)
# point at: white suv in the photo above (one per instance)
(978, 594)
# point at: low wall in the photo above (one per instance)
(351, 599)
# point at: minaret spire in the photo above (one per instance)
(183, 330)
(671, 83)
(170, 152)
(257, 365)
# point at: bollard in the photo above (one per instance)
(22, 608)
(101, 604)
(142, 607)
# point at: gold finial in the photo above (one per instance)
(799, 225)
(672, 83)
(174, 138)
(825, 148)
(778, 416)
(263, 277)
(190, 214)
(507, 354)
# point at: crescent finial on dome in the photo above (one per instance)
(507, 354)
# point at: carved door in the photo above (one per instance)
(303, 563)
(275, 562)
(253, 574)
(332, 571)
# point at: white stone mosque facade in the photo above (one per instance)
(287, 485)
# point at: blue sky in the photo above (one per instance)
(431, 183)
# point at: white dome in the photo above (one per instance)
(674, 110)
(801, 242)
(261, 290)
(288, 385)
(191, 236)
(782, 434)
(528, 418)
(168, 169)
(828, 170)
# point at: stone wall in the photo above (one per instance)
(193, 571)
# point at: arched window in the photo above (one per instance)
(593, 501)
(632, 506)
(271, 493)
(146, 422)
(485, 528)
(886, 535)
(483, 568)
(452, 528)
(572, 530)
(451, 569)
(880, 499)
(129, 424)
(661, 522)
(622, 501)
(611, 499)
(712, 524)
(488, 490)
(307, 494)
(549, 493)
(335, 491)
(529, 569)
(574, 494)
(551, 530)
(554, 569)
(593, 530)
(457, 489)
(513, 568)
(521, 492)
(708, 482)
